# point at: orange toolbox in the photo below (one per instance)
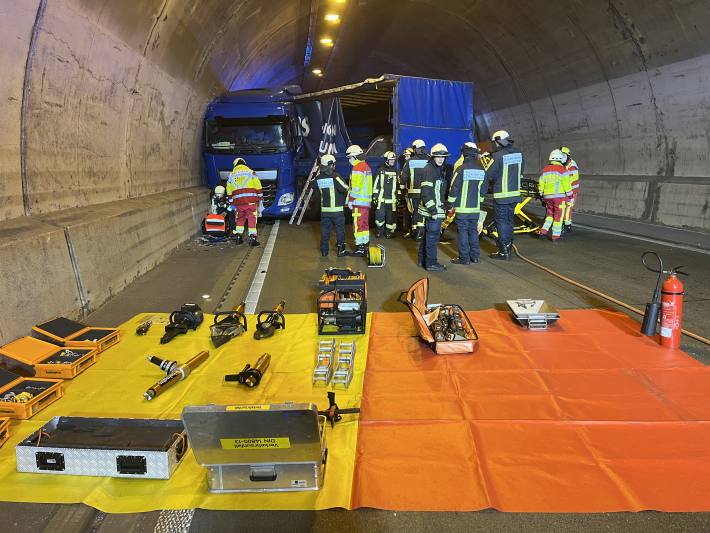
(446, 329)
(46, 360)
(24, 397)
(4, 430)
(70, 333)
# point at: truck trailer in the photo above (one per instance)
(281, 132)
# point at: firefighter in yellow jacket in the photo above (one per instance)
(360, 198)
(556, 192)
(244, 192)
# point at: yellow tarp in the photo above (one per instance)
(114, 387)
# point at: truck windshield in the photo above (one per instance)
(247, 135)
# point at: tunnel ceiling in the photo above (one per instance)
(111, 100)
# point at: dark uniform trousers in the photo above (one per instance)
(327, 222)
(467, 236)
(430, 241)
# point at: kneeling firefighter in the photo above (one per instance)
(465, 200)
(431, 207)
(360, 198)
(384, 192)
(244, 191)
(333, 192)
(556, 191)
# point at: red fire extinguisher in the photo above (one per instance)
(667, 301)
(672, 309)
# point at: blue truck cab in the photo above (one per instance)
(260, 126)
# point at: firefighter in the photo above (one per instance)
(431, 207)
(503, 174)
(220, 205)
(333, 193)
(410, 178)
(573, 178)
(555, 190)
(360, 198)
(384, 193)
(465, 197)
(244, 192)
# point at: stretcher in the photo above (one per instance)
(522, 221)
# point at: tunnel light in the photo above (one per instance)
(317, 72)
(206, 296)
(332, 17)
(327, 41)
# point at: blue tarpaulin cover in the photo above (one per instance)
(437, 111)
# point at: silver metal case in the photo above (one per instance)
(106, 447)
(259, 448)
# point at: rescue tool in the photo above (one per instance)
(334, 413)
(267, 322)
(251, 375)
(176, 372)
(228, 324)
(143, 328)
(188, 317)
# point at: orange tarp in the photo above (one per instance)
(588, 416)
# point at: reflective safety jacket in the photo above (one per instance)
(504, 175)
(465, 193)
(572, 173)
(243, 186)
(433, 191)
(411, 176)
(360, 184)
(333, 191)
(553, 182)
(384, 188)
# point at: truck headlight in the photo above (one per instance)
(286, 199)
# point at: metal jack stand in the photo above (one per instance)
(323, 371)
(343, 374)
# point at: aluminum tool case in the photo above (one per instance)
(259, 448)
(423, 314)
(46, 360)
(106, 447)
(65, 332)
(43, 391)
(534, 314)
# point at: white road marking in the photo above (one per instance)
(252, 298)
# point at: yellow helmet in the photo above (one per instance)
(439, 150)
(564, 150)
(239, 161)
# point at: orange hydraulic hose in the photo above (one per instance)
(600, 294)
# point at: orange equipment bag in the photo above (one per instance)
(4, 430)
(64, 332)
(415, 298)
(24, 397)
(45, 360)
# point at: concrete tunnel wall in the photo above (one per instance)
(107, 99)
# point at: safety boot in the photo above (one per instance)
(459, 261)
(253, 241)
(378, 233)
(436, 267)
(503, 253)
(360, 250)
(389, 235)
(238, 239)
(341, 249)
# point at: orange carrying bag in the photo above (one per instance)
(415, 298)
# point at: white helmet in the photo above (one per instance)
(502, 137)
(219, 190)
(239, 161)
(439, 150)
(353, 150)
(558, 155)
(470, 145)
(389, 155)
(327, 159)
(419, 144)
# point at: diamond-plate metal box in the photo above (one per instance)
(106, 447)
